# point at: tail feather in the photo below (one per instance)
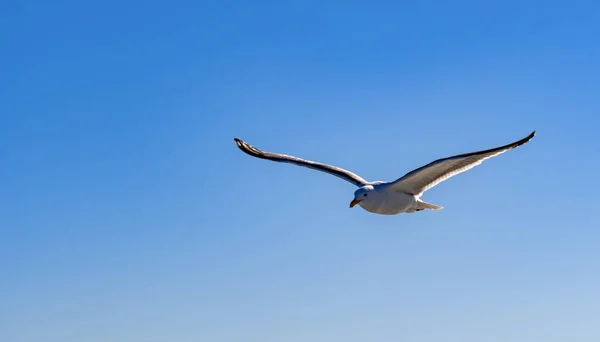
(424, 205)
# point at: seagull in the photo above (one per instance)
(402, 195)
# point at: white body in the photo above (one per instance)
(382, 199)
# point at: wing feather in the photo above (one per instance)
(424, 178)
(282, 158)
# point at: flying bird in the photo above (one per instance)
(402, 195)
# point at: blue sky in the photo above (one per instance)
(128, 214)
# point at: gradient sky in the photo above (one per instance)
(128, 214)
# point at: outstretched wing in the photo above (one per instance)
(282, 158)
(420, 180)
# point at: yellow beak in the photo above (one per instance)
(354, 202)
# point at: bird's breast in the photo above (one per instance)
(389, 203)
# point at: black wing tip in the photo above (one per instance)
(520, 142)
(247, 148)
(526, 139)
(241, 144)
(244, 146)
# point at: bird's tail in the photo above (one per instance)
(424, 205)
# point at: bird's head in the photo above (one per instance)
(361, 195)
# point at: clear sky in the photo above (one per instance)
(128, 214)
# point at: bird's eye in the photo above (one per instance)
(365, 195)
